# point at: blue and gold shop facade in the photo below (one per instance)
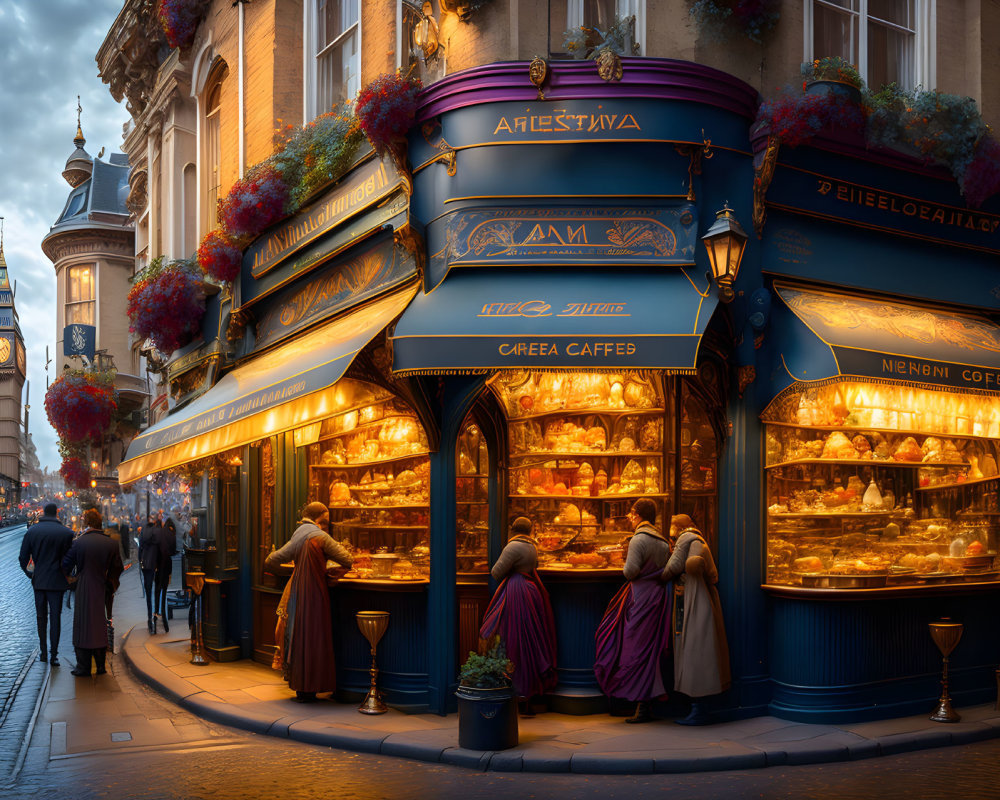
(522, 325)
(878, 367)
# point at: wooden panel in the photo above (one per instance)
(265, 604)
(472, 604)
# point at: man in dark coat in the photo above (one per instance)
(98, 567)
(46, 543)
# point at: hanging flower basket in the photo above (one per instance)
(80, 405)
(166, 304)
(386, 108)
(75, 473)
(256, 201)
(179, 20)
(219, 258)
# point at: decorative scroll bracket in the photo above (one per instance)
(695, 153)
(762, 175)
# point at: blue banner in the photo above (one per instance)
(79, 340)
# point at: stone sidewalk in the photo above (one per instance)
(250, 696)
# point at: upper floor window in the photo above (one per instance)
(888, 40)
(80, 295)
(212, 146)
(597, 15)
(333, 51)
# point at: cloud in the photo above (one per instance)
(47, 57)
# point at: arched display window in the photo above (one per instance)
(583, 446)
(369, 463)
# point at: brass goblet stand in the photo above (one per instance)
(196, 582)
(373, 625)
(946, 635)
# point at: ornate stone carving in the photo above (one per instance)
(609, 65)
(136, 200)
(763, 173)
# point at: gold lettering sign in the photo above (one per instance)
(907, 206)
(539, 308)
(571, 349)
(357, 192)
(561, 121)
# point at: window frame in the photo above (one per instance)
(82, 302)
(924, 39)
(574, 19)
(311, 57)
(211, 146)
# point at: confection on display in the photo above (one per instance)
(874, 486)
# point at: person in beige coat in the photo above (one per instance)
(701, 652)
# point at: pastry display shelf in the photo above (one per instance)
(861, 462)
(362, 426)
(571, 455)
(379, 526)
(471, 502)
(473, 475)
(387, 507)
(951, 486)
(376, 462)
(576, 497)
(958, 586)
(586, 412)
(977, 514)
(831, 513)
(856, 429)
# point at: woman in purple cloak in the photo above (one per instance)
(633, 638)
(520, 612)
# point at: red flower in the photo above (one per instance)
(80, 405)
(219, 258)
(75, 473)
(386, 108)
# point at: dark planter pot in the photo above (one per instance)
(487, 718)
(846, 90)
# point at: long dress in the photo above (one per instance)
(521, 613)
(701, 652)
(633, 638)
(307, 641)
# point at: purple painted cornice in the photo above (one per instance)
(656, 78)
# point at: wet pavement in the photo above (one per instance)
(113, 736)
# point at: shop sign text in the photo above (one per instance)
(358, 191)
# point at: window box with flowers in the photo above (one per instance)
(166, 304)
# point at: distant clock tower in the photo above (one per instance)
(12, 374)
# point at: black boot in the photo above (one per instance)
(154, 623)
(698, 716)
(166, 628)
(643, 712)
(305, 697)
(99, 659)
(524, 708)
(149, 625)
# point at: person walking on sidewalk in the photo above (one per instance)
(304, 634)
(149, 560)
(46, 543)
(633, 638)
(701, 652)
(98, 568)
(521, 614)
(166, 544)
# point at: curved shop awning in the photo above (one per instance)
(479, 320)
(289, 386)
(820, 335)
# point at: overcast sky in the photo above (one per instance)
(47, 58)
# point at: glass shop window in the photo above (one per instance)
(578, 25)
(334, 42)
(80, 304)
(472, 520)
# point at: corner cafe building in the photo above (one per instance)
(524, 326)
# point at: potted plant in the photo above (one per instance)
(832, 75)
(487, 706)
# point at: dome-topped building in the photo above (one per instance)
(79, 166)
(92, 246)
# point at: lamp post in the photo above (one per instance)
(149, 486)
(725, 242)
